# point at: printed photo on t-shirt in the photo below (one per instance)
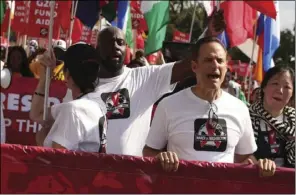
(209, 138)
(117, 103)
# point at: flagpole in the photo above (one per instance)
(48, 69)
(24, 41)
(192, 22)
(18, 39)
(8, 32)
(250, 70)
(73, 13)
(134, 49)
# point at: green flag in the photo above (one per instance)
(2, 10)
(156, 14)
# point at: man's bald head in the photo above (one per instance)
(111, 30)
(111, 47)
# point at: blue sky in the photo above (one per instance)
(287, 14)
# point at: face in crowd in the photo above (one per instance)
(210, 64)
(227, 79)
(17, 59)
(278, 87)
(112, 47)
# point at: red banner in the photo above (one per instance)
(16, 104)
(21, 16)
(39, 18)
(35, 170)
(180, 37)
(138, 20)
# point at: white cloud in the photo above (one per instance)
(287, 14)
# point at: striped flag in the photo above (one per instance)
(259, 73)
(124, 21)
(271, 38)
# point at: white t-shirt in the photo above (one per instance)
(79, 125)
(180, 123)
(3, 130)
(129, 98)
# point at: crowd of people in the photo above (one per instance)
(199, 112)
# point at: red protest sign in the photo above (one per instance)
(39, 18)
(21, 16)
(86, 34)
(180, 37)
(16, 104)
(93, 39)
(242, 69)
(138, 20)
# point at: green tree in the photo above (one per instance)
(286, 50)
(181, 13)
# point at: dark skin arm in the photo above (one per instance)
(182, 69)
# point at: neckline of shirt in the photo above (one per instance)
(194, 97)
(108, 80)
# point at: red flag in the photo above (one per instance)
(65, 12)
(265, 7)
(140, 42)
(77, 31)
(240, 19)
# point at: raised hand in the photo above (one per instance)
(216, 24)
(48, 59)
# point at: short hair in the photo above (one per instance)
(203, 41)
(274, 71)
(24, 69)
(81, 60)
(139, 53)
(59, 53)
